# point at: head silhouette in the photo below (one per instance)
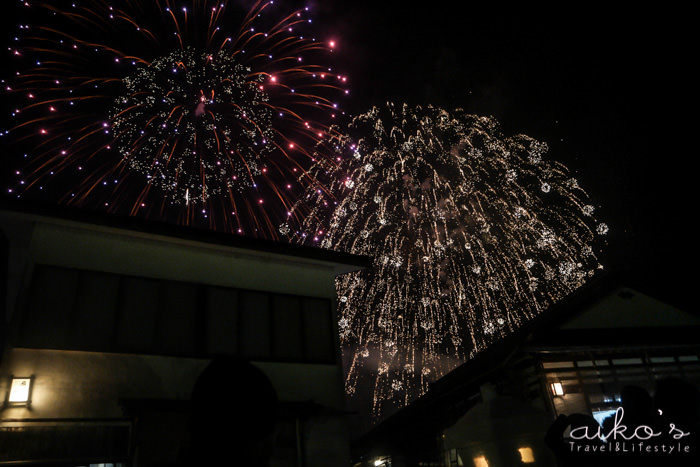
(233, 414)
(678, 401)
(637, 403)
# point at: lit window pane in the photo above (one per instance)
(557, 364)
(627, 361)
(662, 359)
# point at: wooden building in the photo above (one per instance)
(108, 321)
(497, 409)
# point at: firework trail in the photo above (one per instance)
(196, 111)
(472, 234)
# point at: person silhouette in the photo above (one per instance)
(638, 411)
(677, 403)
(560, 444)
(233, 414)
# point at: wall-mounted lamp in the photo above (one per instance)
(20, 393)
(527, 456)
(557, 389)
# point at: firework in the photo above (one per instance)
(472, 234)
(200, 111)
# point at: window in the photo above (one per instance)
(287, 336)
(526, 455)
(254, 332)
(596, 382)
(96, 311)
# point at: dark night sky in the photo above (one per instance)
(607, 90)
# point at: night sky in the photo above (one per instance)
(608, 90)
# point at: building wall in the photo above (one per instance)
(134, 253)
(60, 310)
(497, 432)
(92, 385)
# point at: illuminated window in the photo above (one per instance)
(557, 389)
(596, 384)
(526, 455)
(481, 462)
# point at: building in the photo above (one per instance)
(499, 409)
(108, 322)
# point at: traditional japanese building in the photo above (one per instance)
(108, 322)
(499, 409)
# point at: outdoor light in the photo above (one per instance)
(557, 389)
(526, 455)
(20, 391)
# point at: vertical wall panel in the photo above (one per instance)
(287, 338)
(136, 328)
(50, 307)
(254, 308)
(318, 337)
(94, 313)
(222, 321)
(176, 318)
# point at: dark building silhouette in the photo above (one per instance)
(515, 403)
(136, 343)
(114, 319)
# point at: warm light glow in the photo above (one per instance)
(557, 389)
(481, 462)
(379, 462)
(526, 455)
(19, 390)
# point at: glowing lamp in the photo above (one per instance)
(526, 455)
(557, 389)
(481, 461)
(20, 393)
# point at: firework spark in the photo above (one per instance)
(472, 234)
(201, 110)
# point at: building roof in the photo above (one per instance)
(344, 262)
(452, 395)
